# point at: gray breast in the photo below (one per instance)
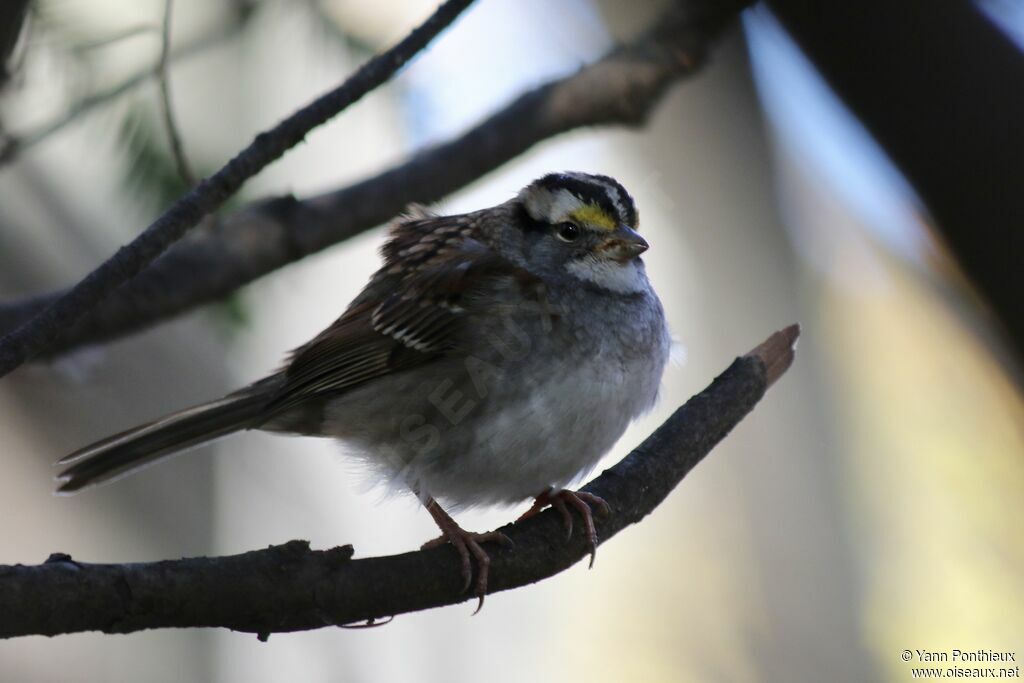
(541, 397)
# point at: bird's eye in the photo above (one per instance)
(567, 232)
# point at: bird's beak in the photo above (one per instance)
(623, 245)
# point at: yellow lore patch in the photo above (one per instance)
(593, 215)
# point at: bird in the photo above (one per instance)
(493, 359)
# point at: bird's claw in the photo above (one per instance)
(467, 543)
(583, 502)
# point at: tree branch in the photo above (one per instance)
(621, 88)
(33, 336)
(12, 20)
(292, 588)
(950, 124)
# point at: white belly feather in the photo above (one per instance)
(549, 439)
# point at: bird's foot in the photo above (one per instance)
(583, 502)
(466, 543)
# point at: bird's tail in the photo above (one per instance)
(130, 450)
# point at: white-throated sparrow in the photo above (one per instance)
(493, 358)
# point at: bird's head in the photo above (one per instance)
(586, 225)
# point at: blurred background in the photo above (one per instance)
(869, 504)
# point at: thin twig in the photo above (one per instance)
(163, 78)
(21, 142)
(114, 38)
(33, 336)
(292, 588)
(622, 88)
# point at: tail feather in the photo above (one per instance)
(140, 446)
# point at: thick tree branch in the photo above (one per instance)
(33, 336)
(622, 88)
(292, 588)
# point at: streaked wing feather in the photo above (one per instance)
(406, 316)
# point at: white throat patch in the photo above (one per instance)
(625, 278)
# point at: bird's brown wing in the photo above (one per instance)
(411, 312)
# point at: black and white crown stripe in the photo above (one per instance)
(602, 190)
